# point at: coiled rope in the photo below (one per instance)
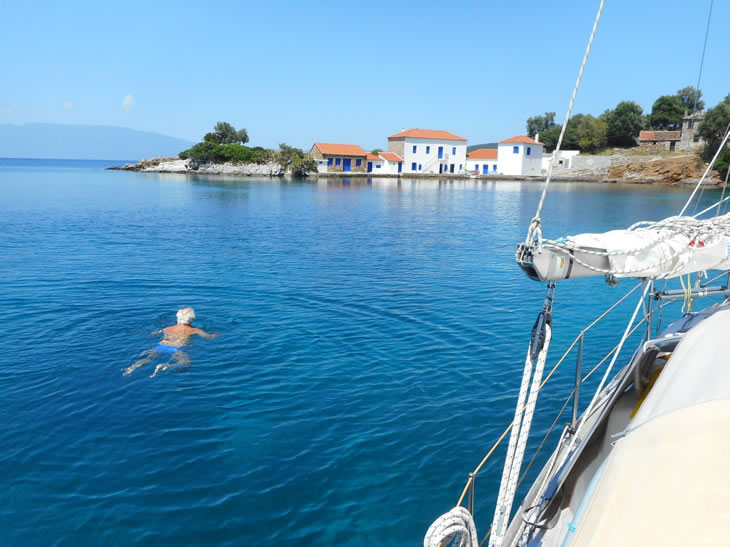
(457, 524)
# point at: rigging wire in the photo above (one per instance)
(534, 229)
(699, 77)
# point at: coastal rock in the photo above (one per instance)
(270, 169)
(171, 166)
(175, 165)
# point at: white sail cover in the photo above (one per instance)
(657, 250)
(667, 482)
(657, 253)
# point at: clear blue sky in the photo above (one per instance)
(346, 72)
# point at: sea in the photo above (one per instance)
(371, 341)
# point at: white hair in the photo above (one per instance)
(185, 316)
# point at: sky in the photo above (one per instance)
(347, 72)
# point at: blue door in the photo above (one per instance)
(400, 167)
(346, 164)
(441, 152)
(370, 167)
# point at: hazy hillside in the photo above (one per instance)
(473, 147)
(41, 140)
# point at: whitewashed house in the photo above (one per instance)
(482, 161)
(375, 164)
(429, 151)
(519, 156)
(563, 163)
(393, 163)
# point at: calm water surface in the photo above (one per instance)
(372, 336)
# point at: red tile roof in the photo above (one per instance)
(391, 156)
(427, 134)
(340, 149)
(659, 135)
(373, 157)
(520, 139)
(483, 154)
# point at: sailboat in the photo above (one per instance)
(647, 461)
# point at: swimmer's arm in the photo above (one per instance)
(201, 332)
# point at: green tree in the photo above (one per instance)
(227, 134)
(688, 95)
(714, 126)
(295, 160)
(540, 124)
(667, 113)
(212, 137)
(590, 133)
(624, 123)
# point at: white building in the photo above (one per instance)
(375, 164)
(519, 156)
(429, 151)
(564, 161)
(482, 161)
(393, 163)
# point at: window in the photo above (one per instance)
(460, 166)
(337, 161)
(528, 150)
(453, 150)
(420, 166)
(377, 167)
(486, 169)
(329, 161)
(428, 150)
(414, 167)
(515, 149)
(414, 148)
(358, 162)
(494, 168)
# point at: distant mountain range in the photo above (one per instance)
(90, 142)
(473, 147)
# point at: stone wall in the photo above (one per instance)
(656, 147)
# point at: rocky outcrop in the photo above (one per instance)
(666, 170)
(173, 165)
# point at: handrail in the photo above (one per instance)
(473, 475)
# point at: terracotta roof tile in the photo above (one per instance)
(659, 135)
(483, 154)
(340, 149)
(391, 156)
(520, 139)
(428, 134)
(373, 157)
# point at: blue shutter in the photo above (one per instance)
(414, 167)
(453, 150)
(428, 150)
(515, 149)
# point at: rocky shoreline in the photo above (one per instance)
(653, 171)
(174, 165)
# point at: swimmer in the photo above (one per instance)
(174, 338)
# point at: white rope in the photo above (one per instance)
(534, 229)
(502, 512)
(447, 526)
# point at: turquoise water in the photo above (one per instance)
(371, 342)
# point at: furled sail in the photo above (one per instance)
(657, 250)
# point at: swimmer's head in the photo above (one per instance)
(185, 316)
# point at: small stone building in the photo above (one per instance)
(339, 158)
(659, 141)
(690, 140)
